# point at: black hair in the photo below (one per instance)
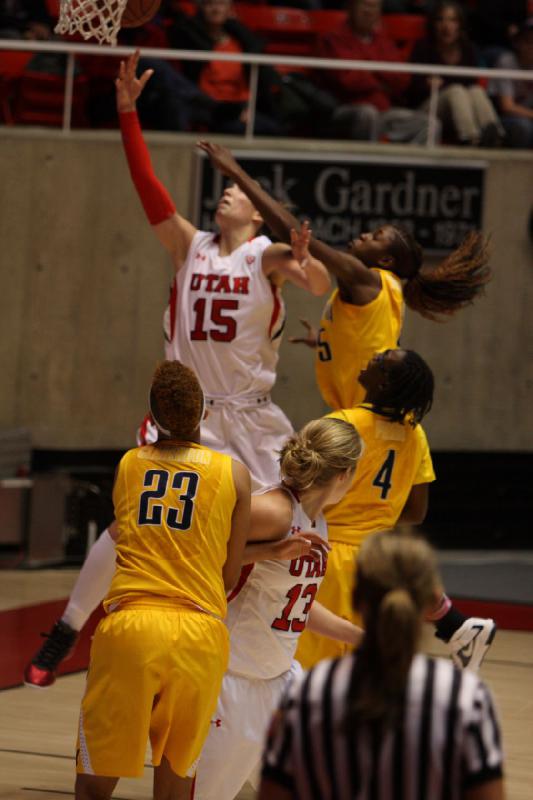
(437, 10)
(438, 292)
(408, 391)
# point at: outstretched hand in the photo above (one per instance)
(128, 86)
(303, 543)
(220, 157)
(300, 243)
(311, 339)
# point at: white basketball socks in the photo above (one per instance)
(93, 582)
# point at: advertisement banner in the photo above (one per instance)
(343, 195)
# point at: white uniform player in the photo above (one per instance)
(267, 612)
(225, 318)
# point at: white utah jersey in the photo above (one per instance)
(268, 609)
(225, 318)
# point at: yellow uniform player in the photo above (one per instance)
(362, 271)
(158, 658)
(349, 336)
(390, 483)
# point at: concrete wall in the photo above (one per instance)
(84, 285)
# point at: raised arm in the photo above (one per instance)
(173, 231)
(346, 268)
(295, 263)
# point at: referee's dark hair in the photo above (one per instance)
(396, 581)
(407, 392)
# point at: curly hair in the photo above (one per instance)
(176, 399)
(408, 390)
(454, 283)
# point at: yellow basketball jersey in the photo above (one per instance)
(395, 457)
(173, 504)
(350, 335)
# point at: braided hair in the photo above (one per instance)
(448, 287)
(408, 390)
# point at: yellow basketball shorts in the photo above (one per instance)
(336, 594)
(154, 672)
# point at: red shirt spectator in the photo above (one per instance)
(361, 37)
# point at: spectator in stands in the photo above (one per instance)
(493, 24)
(169, 102)
(24, 19)
(515, 98)
(215, 28)
(465, 109)
(369, 101)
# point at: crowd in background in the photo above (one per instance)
(359, 105)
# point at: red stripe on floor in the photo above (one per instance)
(508, 616)
(20, 629)
(19, 634)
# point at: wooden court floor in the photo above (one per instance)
(38, 728)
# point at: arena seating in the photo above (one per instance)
(36, 98)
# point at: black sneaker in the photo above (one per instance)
(59, 645)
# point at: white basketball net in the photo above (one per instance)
(98, 19)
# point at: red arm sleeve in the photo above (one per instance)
(156, 201)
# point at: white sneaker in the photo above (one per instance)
(470, 643)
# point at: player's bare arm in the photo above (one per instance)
(240, 525)
(324, 622)
(302, 543)
(173, 231)
(348, 269)
(271, 516)
(416, 506)
(296, 264)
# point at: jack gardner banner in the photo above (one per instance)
(344, 195)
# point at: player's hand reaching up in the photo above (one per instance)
(128, 86)
(303, 543)
(220, 157)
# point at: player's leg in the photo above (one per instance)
(94, 787)
(335, 593)
(233, 748)
(268, 430)
(89, 590)
(123, 682)
(253, 436)
(197, 650)
(168, 785)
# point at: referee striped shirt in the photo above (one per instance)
(447, 738)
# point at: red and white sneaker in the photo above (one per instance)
(59, 645)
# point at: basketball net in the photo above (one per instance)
(98, 19)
